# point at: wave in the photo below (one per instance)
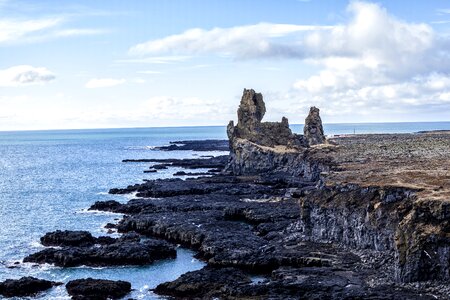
(141, 147)
(97, 212)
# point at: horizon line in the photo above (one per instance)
(199, 126)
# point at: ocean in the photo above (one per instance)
(48, 179)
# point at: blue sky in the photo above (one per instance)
(92, 64)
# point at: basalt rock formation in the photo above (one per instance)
(260, 147)
(313, 129)
(249, 127)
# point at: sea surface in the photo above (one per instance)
(48, 179)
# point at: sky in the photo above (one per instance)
(107, 64)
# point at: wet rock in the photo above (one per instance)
(127, 251)
(159, 167)
(182, 173)
(25, 287)
(109, 206)
(313, 128)
(99, 289)
(68, 238)
(200, 145)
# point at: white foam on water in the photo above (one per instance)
(103, 193)
(97, 212)
(36, 244)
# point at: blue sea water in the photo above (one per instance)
(49, 178)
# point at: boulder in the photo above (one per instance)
(98, 289)
(25, 286)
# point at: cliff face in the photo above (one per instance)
(258, 147)
(388, 193)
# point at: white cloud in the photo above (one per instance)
(24, 75)
(34, 30)
(376, 64)
(13, 30)
(103, 82)
(249, 41)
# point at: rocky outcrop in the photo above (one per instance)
(313, 128)
(99, 289)
(25, 287)
(68, 238)
(250, 126)
(248, 158)
(104, 251)
(258, 147)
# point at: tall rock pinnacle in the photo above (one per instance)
(313, 129)
(250, 126)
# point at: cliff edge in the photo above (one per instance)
(384, 192)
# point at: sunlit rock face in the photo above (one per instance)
(249, 126)
(261, 147)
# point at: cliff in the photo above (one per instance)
(388, 193)
(259, 147)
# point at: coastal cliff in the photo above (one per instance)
(387, 193)
(283, 216)
(258, 147)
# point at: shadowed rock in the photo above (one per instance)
(25, 286)
(98, 289)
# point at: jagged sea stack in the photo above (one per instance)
(266, 147)
(249, 127)
(313, 129)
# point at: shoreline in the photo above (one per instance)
(277, 205)
(361, 216)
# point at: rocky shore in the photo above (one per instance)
(284, 216)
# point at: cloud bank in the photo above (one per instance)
(24, 75)
(372, 63)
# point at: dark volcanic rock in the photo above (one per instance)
(68, 238)
(254, 224)
(283, 283)
(110, 206)
(161, 188)
(265, 147)
(204, 284)
(249, 127)
(25, 286)
(98, 289)
(313, 128)
(127, 251)
(200, 145)
(192, 163)
(182, 173)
